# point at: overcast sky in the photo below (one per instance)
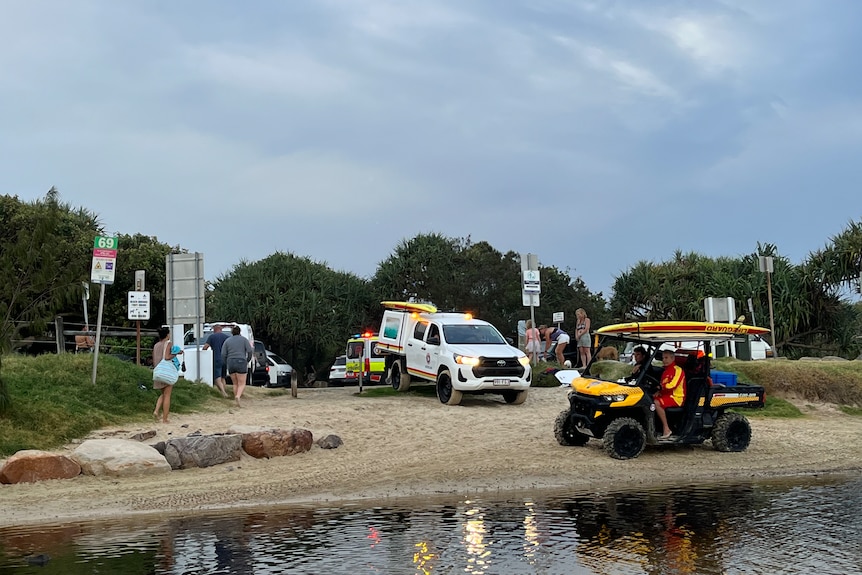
(592, 133)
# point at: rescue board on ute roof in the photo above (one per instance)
(456, 352)
(622, 414)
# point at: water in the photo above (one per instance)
(806, 526)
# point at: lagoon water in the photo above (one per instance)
(806, 526)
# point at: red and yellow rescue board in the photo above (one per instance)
(410, 306)
(680, 330)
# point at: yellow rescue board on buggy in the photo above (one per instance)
(410, 306)
(680, 330)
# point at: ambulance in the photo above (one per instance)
(363, 353)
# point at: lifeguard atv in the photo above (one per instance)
(621, 413)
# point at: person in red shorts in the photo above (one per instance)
(671, 392)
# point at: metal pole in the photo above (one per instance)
(138, 340)
(98, 332)
(771, 318)
(534, 357)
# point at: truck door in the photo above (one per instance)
(432, 348)
(417, 353)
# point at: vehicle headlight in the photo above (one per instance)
(525, 361)
(466, 360)
(617, 397)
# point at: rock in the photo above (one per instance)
(144, 435)
(329, 442)
(202, 450)
(277, 442)
(31, 465)
(119, 458)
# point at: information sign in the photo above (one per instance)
(103, 268)
(139, 305)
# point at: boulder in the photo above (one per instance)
(119, 458)
(31, 465)
(276, 442)
(202, 450)
(329, 442)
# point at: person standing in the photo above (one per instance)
(164, 350)
(215, 341)
(236, 352)
(533, 342)
(582, 336)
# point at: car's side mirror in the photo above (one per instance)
(510, 341)
(433, 340)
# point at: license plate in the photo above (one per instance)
(501, 382)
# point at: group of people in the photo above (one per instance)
(231, 355)
(540, 340)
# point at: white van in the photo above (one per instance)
(192, 348)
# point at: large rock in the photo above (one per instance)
(277, 442)
(202, 450)
(119, 458)
(31, 465)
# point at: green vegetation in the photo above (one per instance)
(54, 400)
(775, 407)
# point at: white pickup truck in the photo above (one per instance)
(458, 353)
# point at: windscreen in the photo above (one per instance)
(473, 334)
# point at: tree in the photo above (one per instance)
(300, 308)
(44, 256)
(457, 274)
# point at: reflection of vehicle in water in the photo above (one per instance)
(621, 413)
(679, 531)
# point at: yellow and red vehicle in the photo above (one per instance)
(364, 355)
(621, 413)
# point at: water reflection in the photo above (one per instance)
(806, 527)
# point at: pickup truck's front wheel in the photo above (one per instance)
(445, 392)
(515, 397)
(399, 380)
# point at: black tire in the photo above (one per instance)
(445, 392)
(624, 438)
(566, 433)
(732, 432)
(514, 397)
(399, 380)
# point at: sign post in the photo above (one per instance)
(139, 309)
(766, 266)
(532, 284)
(102, 270)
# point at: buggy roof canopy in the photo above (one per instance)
(659, 331)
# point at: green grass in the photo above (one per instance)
(775, 407)
(849, 410)
(54, 401)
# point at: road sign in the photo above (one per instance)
(558, 317)
(530, 299)
(532, 283)
(103, 267)
(139, 305)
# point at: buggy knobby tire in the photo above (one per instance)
(445, 392)
(398, 379)
(566, 433)
(732, 432)
(624, 438)
(514, 397)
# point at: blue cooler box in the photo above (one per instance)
(722, 377)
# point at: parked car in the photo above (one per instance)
(280, 371)
(338, 371)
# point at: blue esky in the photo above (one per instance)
(592, 133)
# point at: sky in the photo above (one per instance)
(595, 134)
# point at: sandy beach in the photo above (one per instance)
(408, 446)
